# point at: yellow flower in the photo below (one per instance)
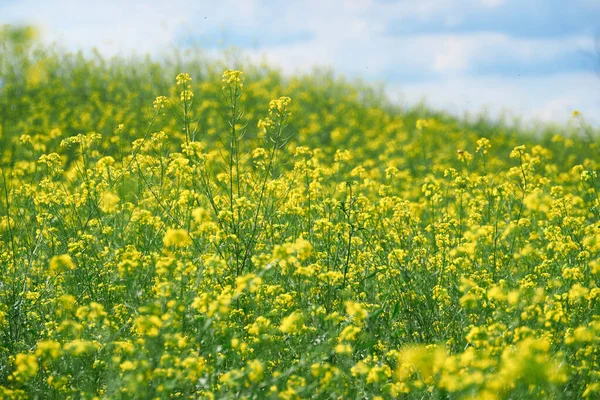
(517, 152)
(422, 123)
(343, 349)
(378, 374)
(356, 310)
(109, 202)
(233, 78)
(265, 124)
(160, 102)
(255, 370)
(302, 248)
(127, 366)
(79, 347)
(279, 104)
(361, 368)
(26, 366)
(177, 238)
(195, 367)
(48, 348)
(424, 361)
(61, 263)
(183, 78)
(148, 325)
(483, 145)
(292, 323)
(186, 95)
(349, 333)
(591, 389)
(342, 155)
(259, 326)
(280, 107)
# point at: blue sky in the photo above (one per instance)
(534, 59)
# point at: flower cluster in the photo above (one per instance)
(233, 78)
(160, 102)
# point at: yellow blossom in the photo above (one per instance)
(177, 238)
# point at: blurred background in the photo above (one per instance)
(533, 60)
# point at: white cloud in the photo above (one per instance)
(548, 98)
(111, 26)
(455, 56)
(424, 55)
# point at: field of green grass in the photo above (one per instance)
(214, 229)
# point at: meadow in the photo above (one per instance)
(188, 228)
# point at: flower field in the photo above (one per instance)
(226, 234)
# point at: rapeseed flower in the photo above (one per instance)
(349, 250)
(176, 238)
(292, 323)
(26, 366)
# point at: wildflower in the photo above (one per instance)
(61, 263)
(195, 367)
(186, 95)
(356, 310)
(422, 360)
(177, 238)
(52, 161)
(591, 389)
(233, 78)
(26, 366)
(342, 155)
(160, 102)
(343, 349)
(302, 248)
(255, 370)
(588, 176)
(127, 366)
(108, 202)
(517, 152)
(292, 323)
(264, 124)
(48, 348)
(464, 156)
(79, 347)
(148, 325)
(360, 368)
(378, 374)
(483, 145)
(259, 326)
(183, 78)
(349, 333)
(422, 123)
(280, 107)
